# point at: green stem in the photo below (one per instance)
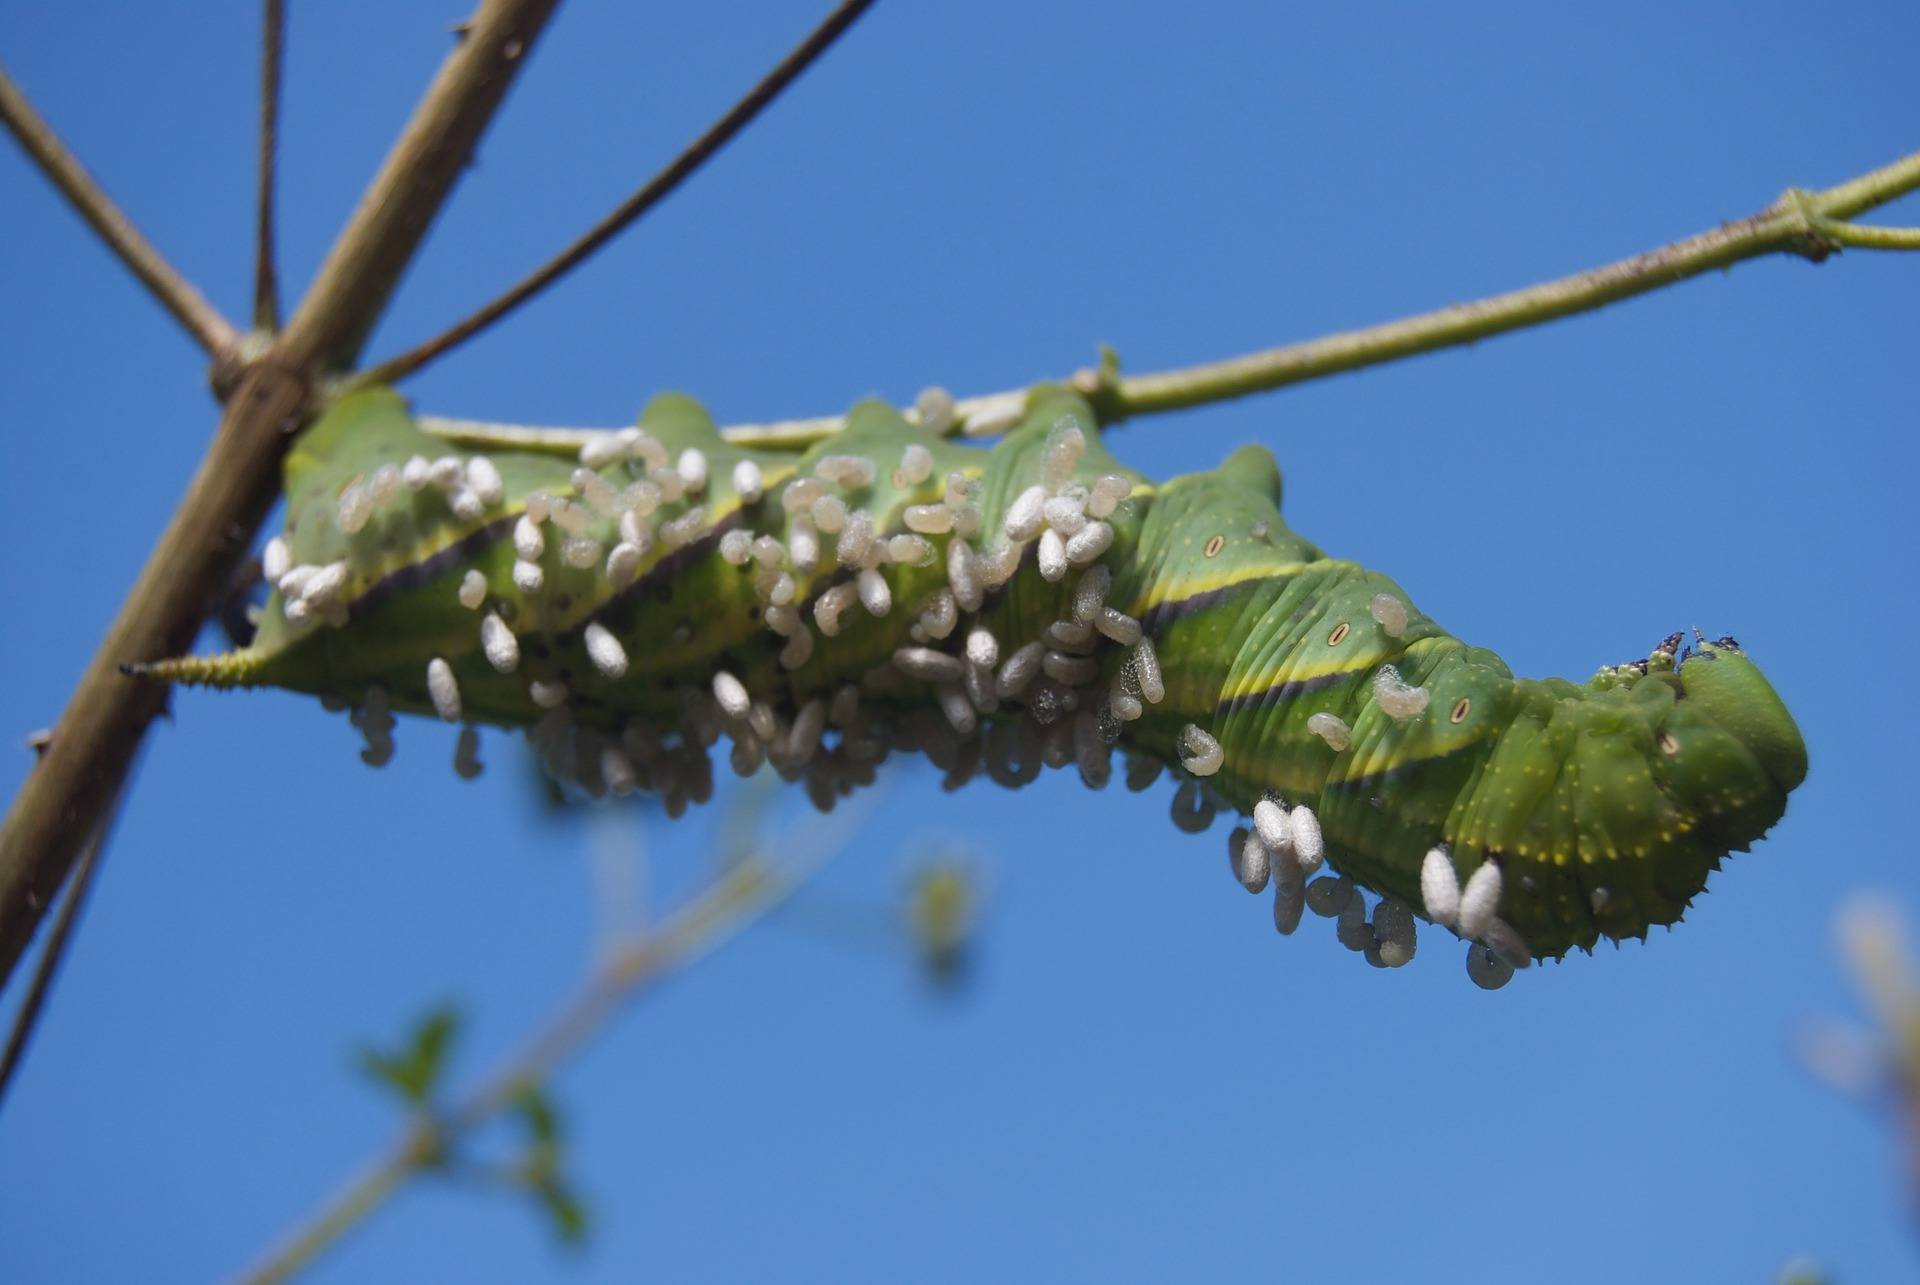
(359, 1198)
(1798, 223)
(1869, 237)
(1805, 223)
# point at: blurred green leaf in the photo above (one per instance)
(564, 1211)
(414, 1071)
(1803, 1271)
(943, 904)
(536, 1109)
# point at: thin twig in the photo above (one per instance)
(657, 188)
(54, 951)
(351, 288)
(238, 479)
(266, 281)
(740, 895)
(1803, 223)
(1868, 236)
(1791, 225)
(974, 417)
(110, 223)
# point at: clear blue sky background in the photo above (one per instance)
(1143, 1083)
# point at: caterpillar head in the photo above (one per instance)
(1731, 690)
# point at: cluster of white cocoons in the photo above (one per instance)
(838, 561)
(835, 559)
(1066, 520)
(837, 564)
(1285, 847)
(315, 594)
(471, 486)
(1282, 847)
(602, 526)
(1494, 948)
(311, 594)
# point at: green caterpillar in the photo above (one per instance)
(1033, 604)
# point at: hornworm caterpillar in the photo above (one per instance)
(1035, 603)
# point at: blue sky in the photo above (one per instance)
(1142, 1080)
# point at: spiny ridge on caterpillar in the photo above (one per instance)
(1036, 604)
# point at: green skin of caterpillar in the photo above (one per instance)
(1635, 784)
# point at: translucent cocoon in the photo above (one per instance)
(982, 648)
(929, 665)
(1309, 848)
(1053, 555)
(1090, 543)
(1026, 513)
(747, 483)
(875, 594)
(1270, 822)
(916, 461)
(1440, 888)
(1200, 754)
(1487, 969)
(1329, 895)
(443, 690)
(498, 644)
(1252, 863)
(731, 693)
(484, 477)
(1146, 663)
(1394, 697)
(528, 542)
(1479, 900)
(1091, 594)
(1390, 613)
(604, 650)
(275, 560)
(1330, 728)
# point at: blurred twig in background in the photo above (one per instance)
(751, 878)
(1882, 1067)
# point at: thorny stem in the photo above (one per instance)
(108, 715)
(266, 281)
(738, 896)
(1804, 223)
(629, 211)
(89, 200)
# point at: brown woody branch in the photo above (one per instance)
(108, 715)
(273, 54)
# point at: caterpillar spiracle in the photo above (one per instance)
(1036, 603)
